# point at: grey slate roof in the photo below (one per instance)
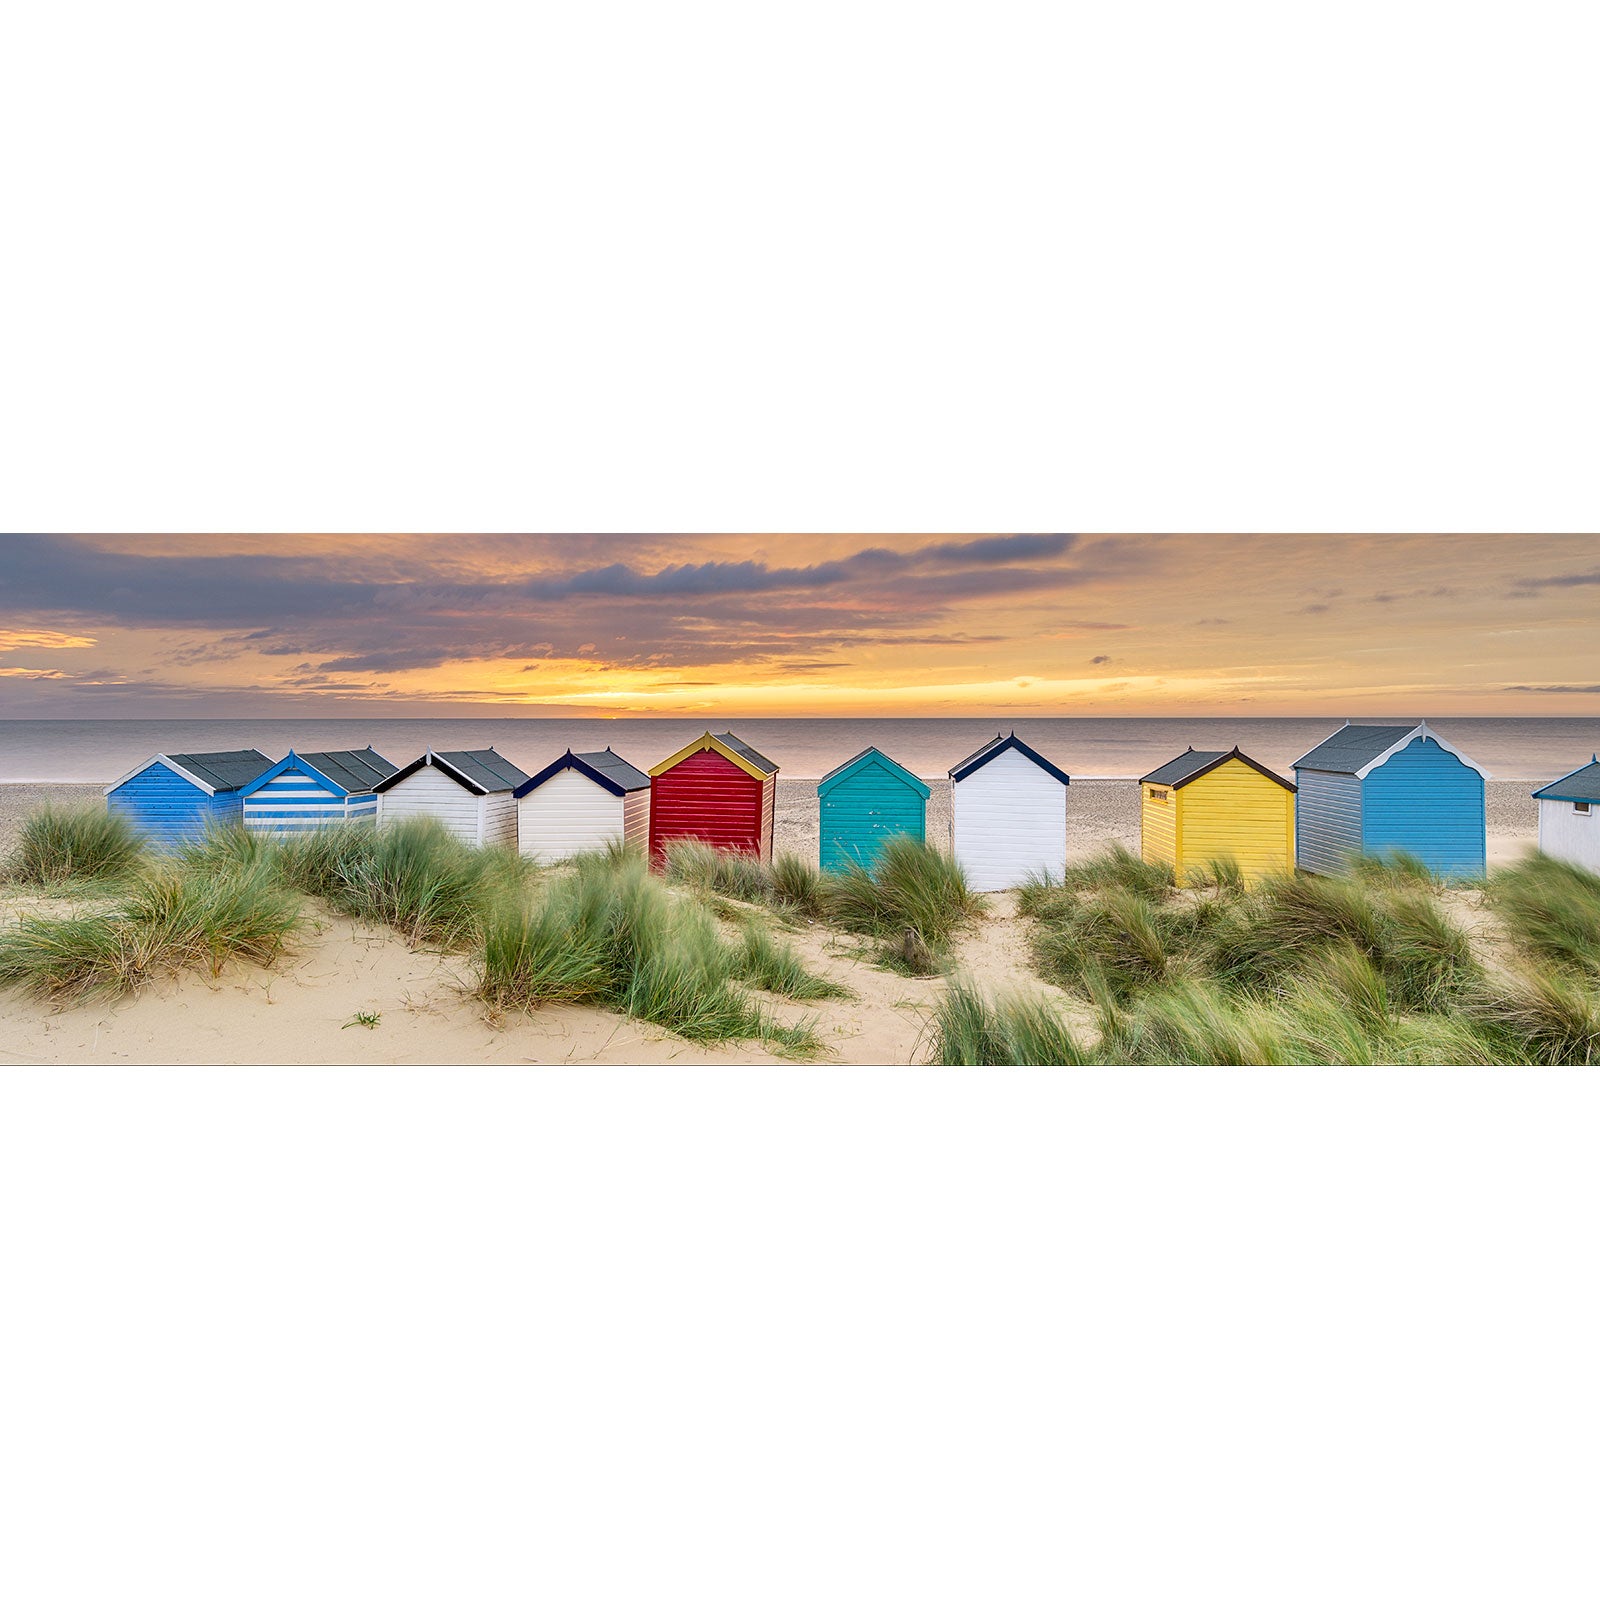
(1584, 784)
(997, 746)
(1352, 747)
(481, 771)
(487, 768)
(749, 752)
(224, 769)
(606, 767)
(355, 771)
(1193, 763)
(1188, 765)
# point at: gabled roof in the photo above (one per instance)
(215, 771)
(735, 750)
(1194, 764)
(477, 771)
(346, 771)
(604, 767)
(1359, 747)
(872, 755)
(1584, 784)
(749, 752)
(998, 746)
(355, 771)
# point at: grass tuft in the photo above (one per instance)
(969, 1031)
(608, 933)
(911, 886)
(59, 845)
(178, 918)
(764, 963)
(1551, 909)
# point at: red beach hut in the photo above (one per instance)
(718, 790)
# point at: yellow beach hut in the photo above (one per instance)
(1207, 804)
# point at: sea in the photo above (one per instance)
(101, 750)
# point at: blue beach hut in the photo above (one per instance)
(1373, 788)
(174, 798)
(868, 799)
(306, 791)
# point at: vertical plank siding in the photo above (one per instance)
(1327, 820)
(1426, 801)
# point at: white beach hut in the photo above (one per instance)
(470, 791)
(1008, 814)
(583, 802)
(1569, 817)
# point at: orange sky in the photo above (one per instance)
(823, 625)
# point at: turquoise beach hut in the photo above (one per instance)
(306, 791)
(867, 800)
(171, 799)
(1375, 788)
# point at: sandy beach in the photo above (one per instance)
(302, 1010)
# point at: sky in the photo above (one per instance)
(1069, 624)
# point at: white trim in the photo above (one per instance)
(171, 766)
(1424, 731)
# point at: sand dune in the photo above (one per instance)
(303, 1010)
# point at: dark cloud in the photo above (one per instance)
(394, 613)
(1562, 580)
(1214, 622)
(1098, 661)
(1312, 611)
(1553, 688)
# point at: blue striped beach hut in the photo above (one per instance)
(863, 802)
(1373, 788)
(306, 791)
(170, 798)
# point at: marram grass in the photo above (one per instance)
(607, 933)
(175, 919)
(59, 845)
(1368, 968)
(970, 1031)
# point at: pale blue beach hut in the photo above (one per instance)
(1375, 788)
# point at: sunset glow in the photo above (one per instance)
(830, 625)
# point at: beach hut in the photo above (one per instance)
(1373, 788)
(718, 790)
(174, 798)
(864, 801)
(1569, 817)
(1008, 814)
(306, 791)
(1209, 804)
(469, 791)
(583, 802)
